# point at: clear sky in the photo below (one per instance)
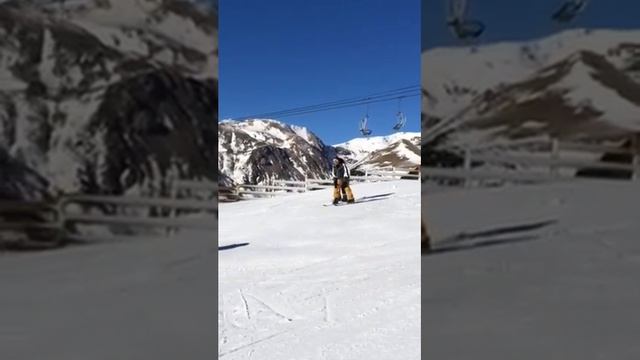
(525, 19)
(282, 54)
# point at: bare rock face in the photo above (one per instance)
(260, 150)
(106, 96)
(95, 101)
(25, 201)
(148, 131)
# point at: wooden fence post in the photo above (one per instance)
(635, 148)
(555, 156)
(467, 167)
(59, 206)
(173, 213)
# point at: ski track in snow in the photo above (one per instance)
(323, 282)
(567, 291)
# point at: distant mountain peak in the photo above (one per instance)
(260, 150)
(573, 84)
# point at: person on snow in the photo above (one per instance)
(341, 175)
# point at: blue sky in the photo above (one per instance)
(522, 19)
(282, 54)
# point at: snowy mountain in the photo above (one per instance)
(575, 84)
(528, 265)
(138, 286)
(401, 154)
(315, 282)
(107, 96)
(399, 150)
(258, 150)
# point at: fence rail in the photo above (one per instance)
(62, 216)
(283, 187)
(60, 219)
(556, 161)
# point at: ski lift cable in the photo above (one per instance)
(385, 93)
(314, 110)
(340, 106)
(333, 103)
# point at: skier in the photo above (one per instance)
(340, 173)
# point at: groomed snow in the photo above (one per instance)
(562, 286)
(147, 298)
(318, 282)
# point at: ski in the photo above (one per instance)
(361, 200)
(341, 203)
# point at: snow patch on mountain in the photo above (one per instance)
(458, 74)
(584, 89)
(576, 84)
(357, 149)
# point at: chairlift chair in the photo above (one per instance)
(363, 126)
(569, 11)
(462, 27)
(466, 29)
(401, 119)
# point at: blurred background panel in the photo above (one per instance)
(107, 109)
(530, 155)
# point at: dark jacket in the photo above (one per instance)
(340, 171)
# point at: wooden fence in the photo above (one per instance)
(551, 160)
(284, 187)
(57, 221)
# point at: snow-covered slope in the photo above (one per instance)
(152, 298)
(530, 272)
(314, 282)
(358, 149)
(402, 154)
(576, 83)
